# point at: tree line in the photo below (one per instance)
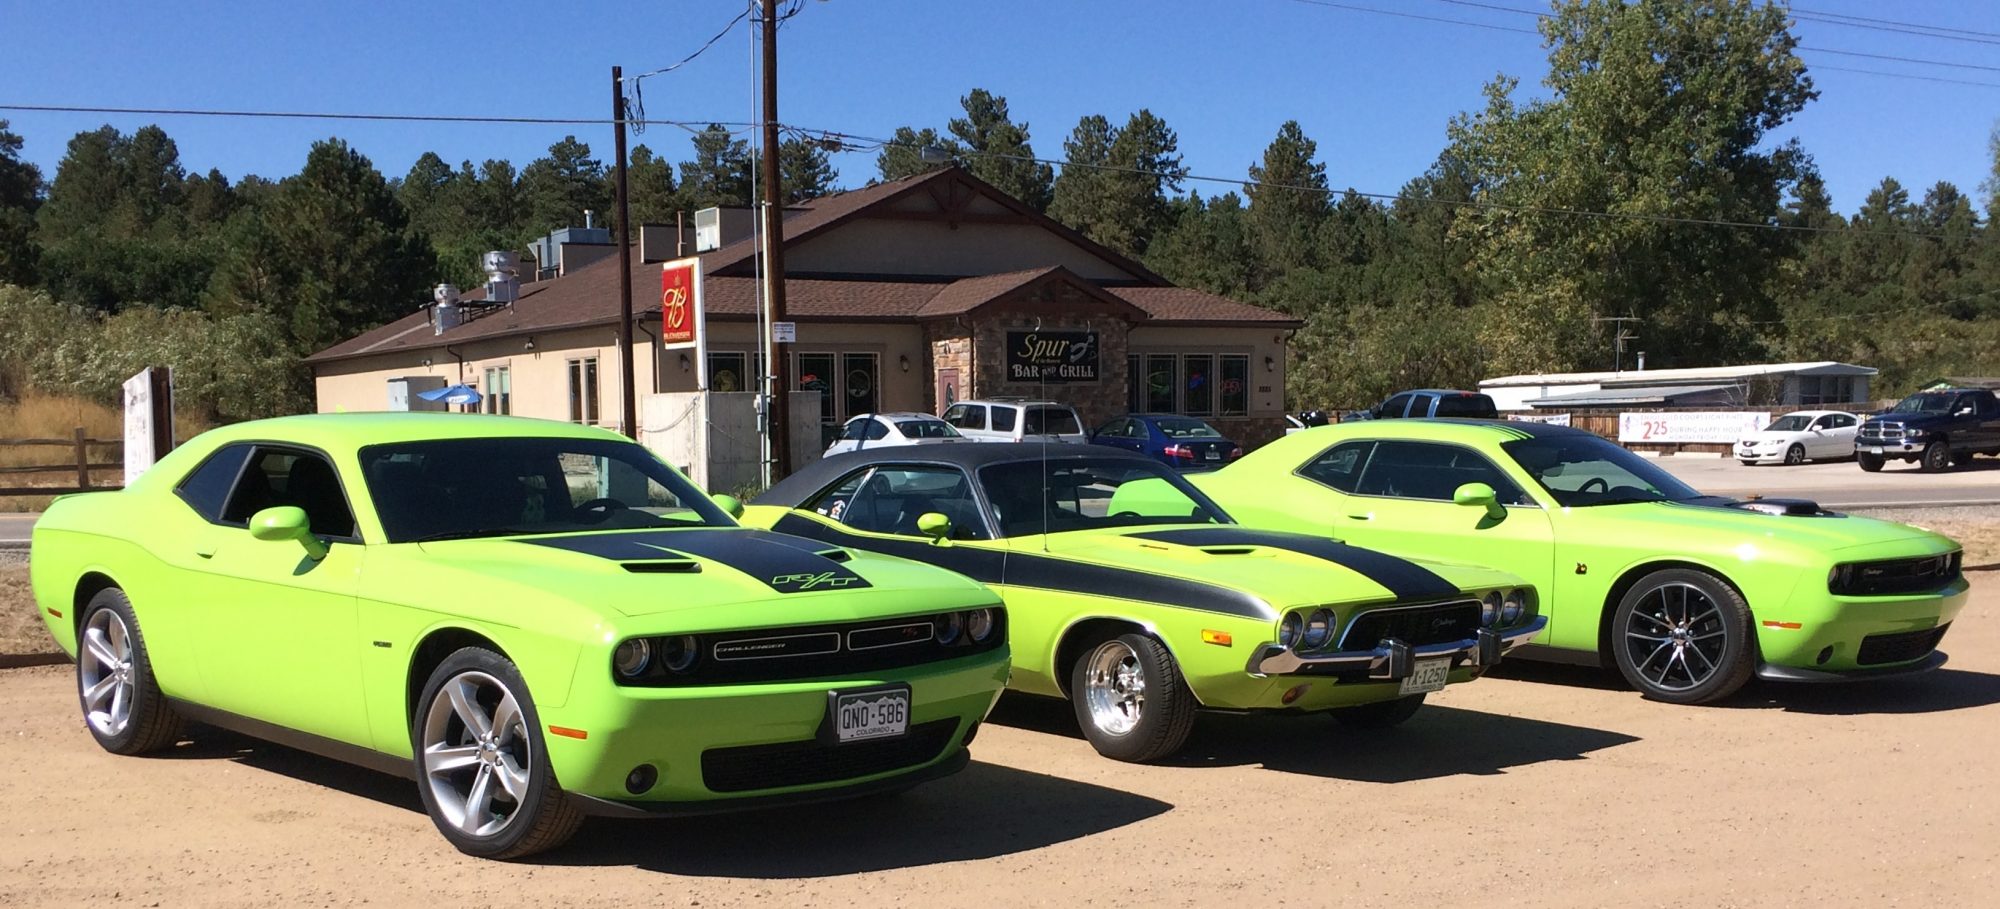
(1647, 182)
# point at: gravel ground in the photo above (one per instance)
(1544, 787)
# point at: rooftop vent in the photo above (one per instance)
(503, 283)
(446, 314)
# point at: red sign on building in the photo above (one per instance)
(680, 301)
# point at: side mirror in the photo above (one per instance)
(287, 522)
(1480, 495)
(729, 504)
(1963, 411)
(935, 526)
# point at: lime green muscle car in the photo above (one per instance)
(1688, 595)
(535, 621)
(1137, 598)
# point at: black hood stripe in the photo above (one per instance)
(785, 564)
(1041, 572)
(1406, 579)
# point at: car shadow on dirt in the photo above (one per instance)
(207, 743)
(1937, 691)
(1437, 742)
(984, 812)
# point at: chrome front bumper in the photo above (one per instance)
(1393, 659)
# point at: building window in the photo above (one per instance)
(1235, 385)
(1198, 385)
(729, 371)
(499, 388)
(1201, 385)
(583, 391)
(1161, 382)
(816, 373)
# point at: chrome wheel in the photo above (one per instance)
(1114, 688)
(1675, 637)
(1795, 455)
(476, 754)
(104, 665)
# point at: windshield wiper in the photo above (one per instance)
(470, 534)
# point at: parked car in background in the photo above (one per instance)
(1430, 402)
(1142, 603)
(1795, 438)
(879, 430)
(1173, 440)
(533, 621)
(1304, 419)
(1015, 420)
(1936, 428)
(1688, 595)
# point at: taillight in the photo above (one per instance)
(1235, 453)
(1180, 451)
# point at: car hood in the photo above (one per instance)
(1766, 435)
(1719, 520)
(1283, 569)
(1914, 418)
(705, 570)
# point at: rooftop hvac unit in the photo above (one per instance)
(446, 313)
(503, 283)
(707, 229)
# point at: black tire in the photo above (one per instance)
(1379, 715)
(1678, 614)
(1869, 461)
(542, 818)
(1795, 455)
(148, 722)
(1159, 722)
(1937, 456)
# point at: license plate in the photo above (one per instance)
(1873, 449)
(876, 714)
(1213, 455)
(1428, 675)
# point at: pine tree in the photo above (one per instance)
(20, 196)
(649, 188)
(719, 174)
(998, 150)
(804, 170)
(557, 189)
(1288, 200)
(904, 155)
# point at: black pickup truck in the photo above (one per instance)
(1936, 429)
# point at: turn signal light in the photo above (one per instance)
(1211, 636)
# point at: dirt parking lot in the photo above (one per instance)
(1547, 786)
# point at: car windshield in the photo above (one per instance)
(460, 488)
(1582, 470)
(1793, 422)
(1186, 428)
(1928, 402)
(926, 429)
(1053, 420)
(1054, 496)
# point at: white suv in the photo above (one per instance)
(1015, 420)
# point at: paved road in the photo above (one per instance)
(14, 528)
(1841, 484)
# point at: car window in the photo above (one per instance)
(283, 476)
(1338, 466)
(1432, 471)
(1030, 497)
(855, 430)
(1474, 406)
(891, 499)
(1841, 421)
(1056, 420)
(1822, 423)
(1790, 422)
(926, 429)
(1003, 419)
(966, 416)
(1394, 407)
(206, 488)
(1186, 428)
(1581, 470)
(455, 488)
(875, 431)
(1114, 429)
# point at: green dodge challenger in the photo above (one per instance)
(1688, 595)
(534, 620)
(1140, 600)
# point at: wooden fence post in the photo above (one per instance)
(82, 461)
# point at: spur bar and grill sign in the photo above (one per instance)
(1052, 357)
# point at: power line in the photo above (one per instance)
(1893, 25)
(697, 51)
(1403, 15)
(692, 126)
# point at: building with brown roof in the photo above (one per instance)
(907, 295)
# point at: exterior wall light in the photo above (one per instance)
(686, 364)
(1270, 364)
(529, 344)
(904, 361)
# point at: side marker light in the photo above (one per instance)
(567, 732)
(1211, 636)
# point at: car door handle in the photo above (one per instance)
(1361, 517)
(205, 550)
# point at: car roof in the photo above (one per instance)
(792, 491)
(1011, 402)
(897, 415)
(1442, 429)
(1814, 413)
(343, 431)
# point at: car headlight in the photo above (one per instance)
(632, 657)
(1290, 629)
(1318, 630)
(1489, 608)
(679, 653)
(979, 625)
(950, 628)
(1513, 606)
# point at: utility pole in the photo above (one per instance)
(1619, 335)
(779, 412)
(628, 404)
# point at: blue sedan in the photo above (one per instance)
(1174, 440)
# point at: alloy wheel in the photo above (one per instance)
(476, 754)
(104, 663)
(1795, 455)
(1676, 637)
(1115, 688)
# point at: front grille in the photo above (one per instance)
(1902, 647)
(1880, 432)
(813, 651)
(1891, 577)
(747, 768)
(1413, 625)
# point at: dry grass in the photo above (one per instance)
(21, 629)
(40, 416)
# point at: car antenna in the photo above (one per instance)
(1042, 386)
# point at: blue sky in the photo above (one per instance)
(1375, 91)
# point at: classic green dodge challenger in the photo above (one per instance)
(1140, 600)
(1687, 594)
(534, 620)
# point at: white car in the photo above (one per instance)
(1795, 438)
(1016, 420)
(879, 430)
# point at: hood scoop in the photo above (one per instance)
(835, 554)
(1796, 508)
(1228, 550)
(663, 566)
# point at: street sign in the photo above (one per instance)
(784, 332)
